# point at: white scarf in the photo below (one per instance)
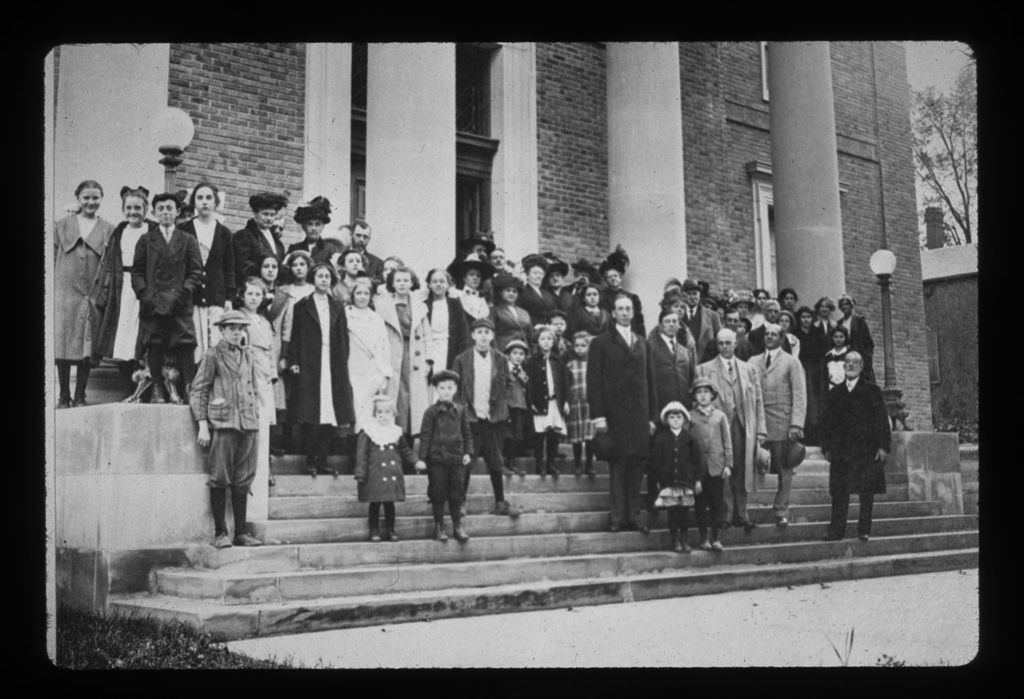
(382, 435)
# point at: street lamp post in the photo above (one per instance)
(883, 264)
(173, 131)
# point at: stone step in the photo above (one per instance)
(413, 551)
(347, 505)
(225, 622)
(482, 525)
(234, 588)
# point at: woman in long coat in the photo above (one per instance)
(405, 315)
(318, 358)
(510, 321)
(449, 326)
(116, 331)
(589, 317)
(369, 358)
(79, 242)
(217, 290)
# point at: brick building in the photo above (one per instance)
(744, 164)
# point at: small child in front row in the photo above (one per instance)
(578, 423)
(677, 461)
(225, 398)
(710, 429)
(381, 449)
(518, 409)
(546, 394)
(446, 445)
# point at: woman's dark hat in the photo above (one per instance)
(690, 285)
(458, 268)
(556, 264)
(617, 260)
(267, 200)
(480, 238)
(503, 280)
(583, 268)
(444, 375)
(319, 208)
(535, 260)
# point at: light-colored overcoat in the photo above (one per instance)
(784, 391)
(419, 343)
(76, 262)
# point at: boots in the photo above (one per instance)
(81, 379)
(673, 535)
(577, 458)
(682, 545)
(459, 532)
(550, 467)
(439, 534)
(238, 506)
(590, 459)
(218, 502)
(64, 379)
(374, 532)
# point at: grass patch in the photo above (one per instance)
(86, 640)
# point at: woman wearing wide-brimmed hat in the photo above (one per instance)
(469, 274)
(510, 321)
(534, 298)
(557, 281)
(613, 269)
(260, 237)
(313, 217)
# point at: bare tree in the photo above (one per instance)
(946, 152)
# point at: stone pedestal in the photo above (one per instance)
(931, 463)
(130, 494)
(646, 202)
(805, 169)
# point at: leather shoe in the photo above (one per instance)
(391, 536)
(247, 540)
(716, 546)
(374, 535)
(222, 542)
(705, 545)
(64, 402)
(863, 537)
(78, 403)
(439, 534)
(678, 546)
(782, 522)
(460, 534)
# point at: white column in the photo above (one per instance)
(107, 96)
(514, 211)
(410, 152)
(646, 203)
(805, 169)
(327, 163)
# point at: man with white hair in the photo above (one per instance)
(739, 397)
(784, 389)
(856, 440)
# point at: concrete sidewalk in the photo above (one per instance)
(929, 619)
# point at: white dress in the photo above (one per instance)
(323, 311)
(369, 361)
(437, 350)
(553, 420)
(128, 316)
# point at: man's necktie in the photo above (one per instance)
(731, 374)
(767, 360)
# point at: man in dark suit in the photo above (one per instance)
(856, 440)
(744, 350)
(620, 397)
(260, 238)
(702, 323)
(166, 270)
(372, 265)
(771, 310)
(860, 336)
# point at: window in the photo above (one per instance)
(764, 70)
(474, 148)
(764, 234)
(933, 356)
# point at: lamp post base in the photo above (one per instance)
(895, 408)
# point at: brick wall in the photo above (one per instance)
(572, 150)
(247, 102)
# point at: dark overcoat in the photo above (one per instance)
(218, 284)
(458, 330)
(164, 276)
(608, 303)
(538, 304)
(250, 247)
(107, 296)
(676, 461)
(510, 323)
(538, 392)
(320, 252)
(854, 427)
(304, 351)
(672, 371)
(501, 385)
(379, 469)
(581, 319)
(619, 389)
(861, 341)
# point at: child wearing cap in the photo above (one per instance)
(225, 400)
(559, 321)
(709, 428)
(484, 390)
(518, 408)
(676, 458)
(381, 449)
(446, 445)
(579, 426)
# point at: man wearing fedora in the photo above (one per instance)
(260, 238)
(702, 323)
(739, 397)
(856, 440)
(784, 389)
(622, 405)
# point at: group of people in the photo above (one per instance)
(338, 348)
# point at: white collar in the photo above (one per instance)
(852, 383)
(731, 361)
(676, 432)
(626, 332)
(382, 434)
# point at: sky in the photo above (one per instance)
(935, 63)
